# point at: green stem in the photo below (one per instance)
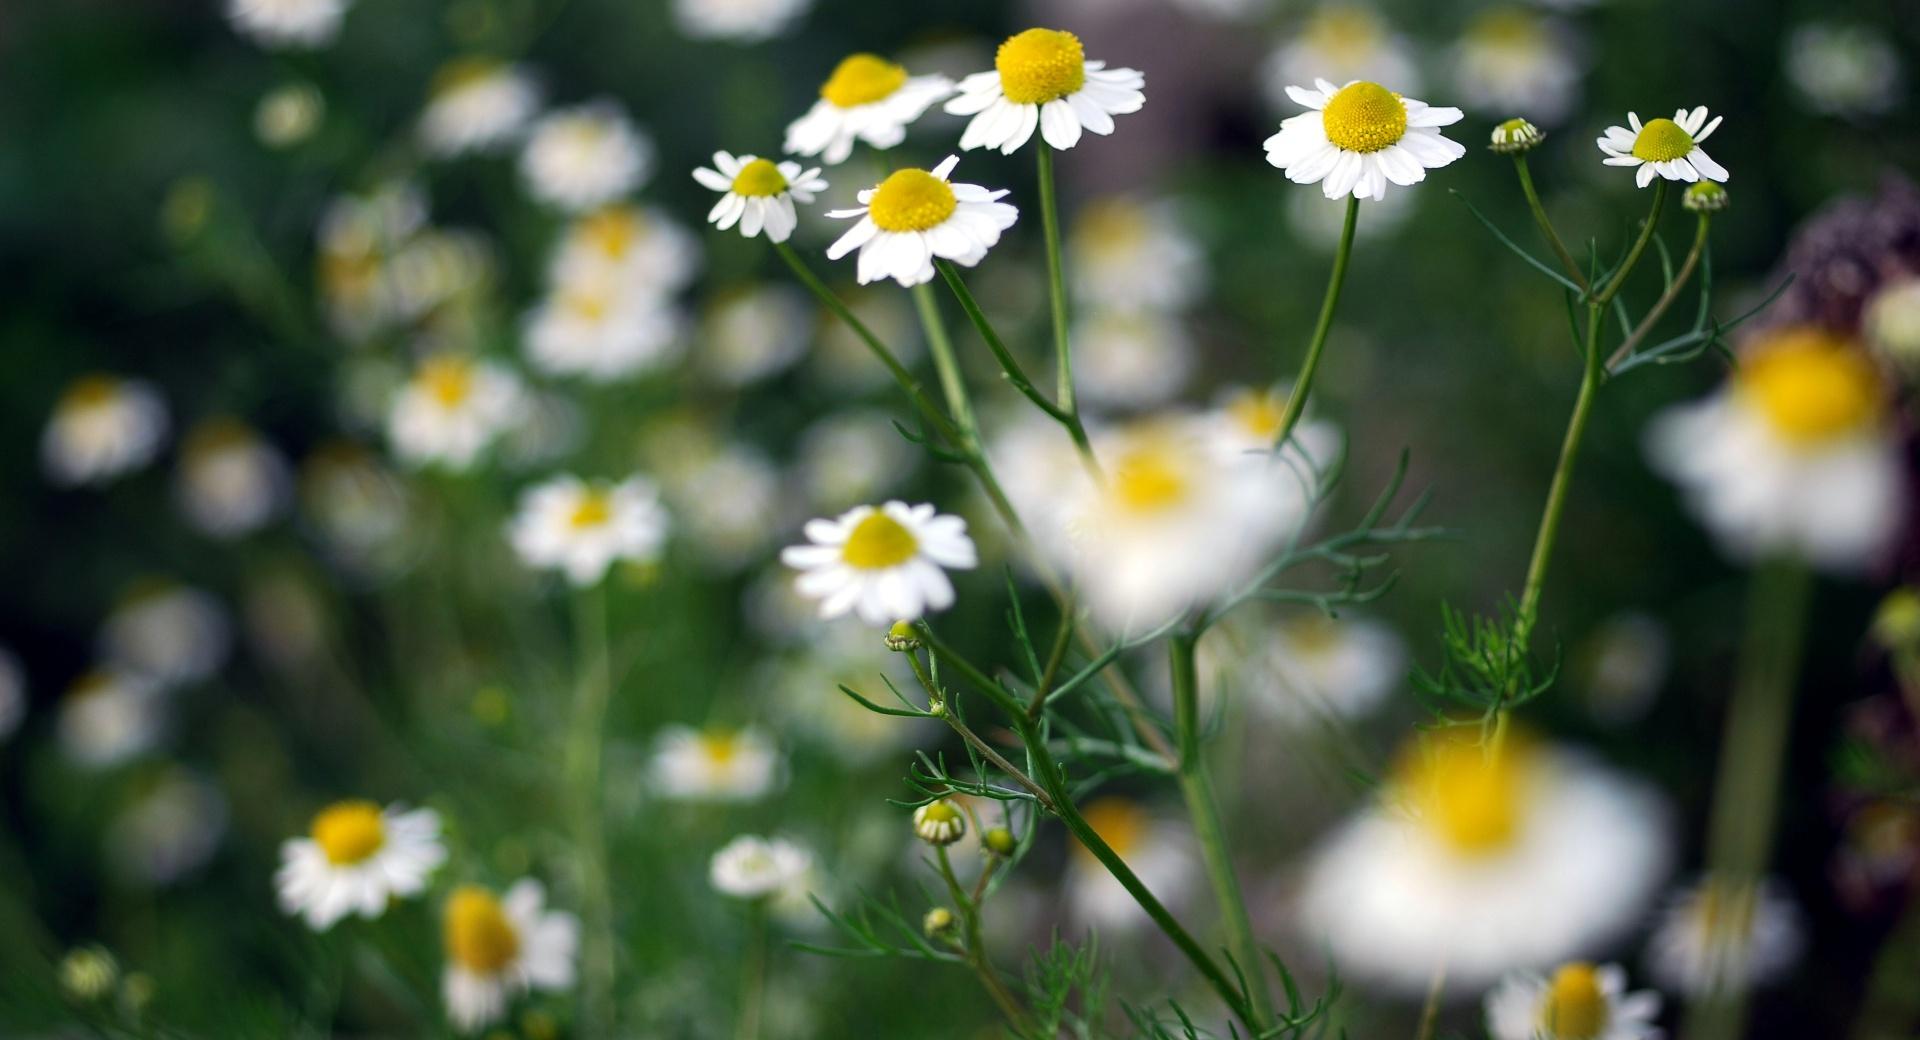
(1660, 306)
(1303, 384)
(1639, 246)
(975, 947)
(1546, 225)
(593, 691)
(1056, 280)
(753, 974)
(967, 428)
(1196, 786)
(1891, 1007)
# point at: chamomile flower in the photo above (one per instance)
(714, 764)
(167, 633)
(1359, 138)
(355, 858)
(732, 501)
(600, 330)
(1513, 60)
(109, 716)
(1042, 78)
(102, 427)
(867, 98)
(1134, 254)
(758, 194)
(752, 334)
(1307, 667)
(1845, 69)
(171, 831)
(230, 481)
(752, 867)
(738, 21)
(477, 105)
(581, 528)
(1797, 454)
(500, 947)
(288, 114)
(287, 24)
(451, 410)
(643, 251)
(917, 216)
(1722, 936)
(358, 506)
(1341, 42)
(1130, 359)
(1579, 1001)
(1668, 148)
(1158, 851)
(586, 156)
(1482, 864)
(849, 457)
(885, 563)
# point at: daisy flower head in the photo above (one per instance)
(916, 216)
(1305, 668)
(581, 528)
(230, 481)
(1723, 936)
(451, 410)
(167, 633)
(108, 716)
(737, 21)
(585, 156)
(477, 105)
(867, 98)
(884, 563)
(641, 250)
(758, 194)
(1579, 1001)
(355, 858)
(103, 426)
(1341, 42)
(1360, 137)
(714, 764)
(1042, 78)
(498, 947)
(1514, 60)
(1135, 254)
(1668, 148)
(289, 24)
(752, 867)
(598, 329)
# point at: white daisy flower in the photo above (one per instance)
(581, 528)
(102, 427)
(355, 859)
(851, 457)
(738, 21)
(714, 764)
(751, 334)
(287, 23)
(1845, 69)
(288, 114)
(1668, 148)
(172, 830)
(1159, 851)
(1307, 667)
(585, 156)
(1480, 865)
(884, 564)
(1340, 42)
(732, 501)
(498, 948)
(13, 693)
(168, 634)
(1580, 1001)
(1721, 936)
(1130, 359)
(1360, 137)
(1797, 454)
(358, 506)
(109, 716)
(230, 481)
(752, 867)
(642, 250)
(1626, 660)
(1245, 423)
(451, 410)
(1517, 62)
(477, 105)
(867, 98)
(600, 330)
(1042, 78)
(758, 194)
(916, 216)
(1128, 254)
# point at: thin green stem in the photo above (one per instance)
(1303, 384)
(1890, 1010)
(1619, 278)
(975, 946)
(753, 974)
(986, 750)
(954, 385)
(1667, 298)
(1546, 225)
(593, 690)
(1056, 280)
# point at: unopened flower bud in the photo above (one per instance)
(999, 841)
(937, 923)
(903, 637)
(1516, 135)
(1705, 197)
(939, 823)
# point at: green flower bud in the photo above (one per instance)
(999, 841)
(1516, 135)
(939, 823)
(938, 922)
(1705, 197)
(903, 637)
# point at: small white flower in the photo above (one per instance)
(477, 105)
(569, 525)
(1668, 148)
(357, 505)
(643, 251)
(1042, 78)
(230, 481)
(109, 716)
(917, 216)
(850, 457)
(498, 948)
(1514, 61)
(355, 858)
(1359, 138)
(713, 764)
(602, 331)
(287, 23)
(1718, 937)
(885, 564)
(758, 194)
(102, 427)
(1845, 69)
(1579, 1002)
(1130, 359)
(1307, 668)
(451, 410)
(867, 98)
(170, 832)
(288, 114)
(1340, 42)
(1159, 851)
(585, 156)
(752, 334)
(751, 867)
(732, 502)
(738, 21)
(1128, 254)
(168, 634)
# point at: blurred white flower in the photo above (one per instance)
(1891, 325)
(1159, 851)
(758, 194)
(109, 716)
(288, 114)
(285, 621)
(103, 426)
(850, 457)
(1042, 78)
(1484, 864)
(751, 867)
(1306, 667)
(581, 528)
(1130, 359)
(291, 24)
(752, 334)
(498, 948)
(714, 764)
(451, 410)
(917, 216)
(867, 98)
(1796, 454)
(1514, 62)
(13, 694)
(806, 687)
(1627, 660)
(642, 250)
(884, 564)
(738, 21)
(1340, 43)
(358, 506)
(1845, 69)
(1668, 148)
(355, 859)
(171, 831)
(1359, 138)
(167, 633)
(1578, 1002)
(602, 331)
(230, 481)
(1225, 10)
(1128, 254)
(585, 156)
(1720, 936)
(477, 105)
(731, 502)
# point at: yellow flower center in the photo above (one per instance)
(611, 231)
(463, 72)
(594, 509)
(1574, 1007)
(911, 200)
(1119, 822)
(449, 380)
(1148, 479)
(1344, 34)
(1811, 386)
(349, 832)
(1040, 65)
(879, 542)
(1312, 635)
(93, 391)
(719, 748)
(1364, 117)
(862, 79)
(587, 306)
(1510, 29)
(478, 935)
(1258, 412)
(1467, 798)
(1662, 140)
(759, 177)
(941, 812)
(217, 435)
(1111, 226)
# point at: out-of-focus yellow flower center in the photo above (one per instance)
(594, 509)
(1810, 385)
(911, 200)
(349, 832)
(1040, 65)
(1364, 117)
(216, 435)
(1149, 479)
(1258, 412)
(1662, 140)
(1508, 29)
(611, 231)
(1574, 1008)
(1312, 635)
(1723, 912)
(719, 748)
(759, 178)
(1468, 798)
(862, 79)
(879, 542)
(92, 391)
(449, 380)
(478, 935)
(464, 72)
(591, 306)
(1344, 34)
(1120, 823)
